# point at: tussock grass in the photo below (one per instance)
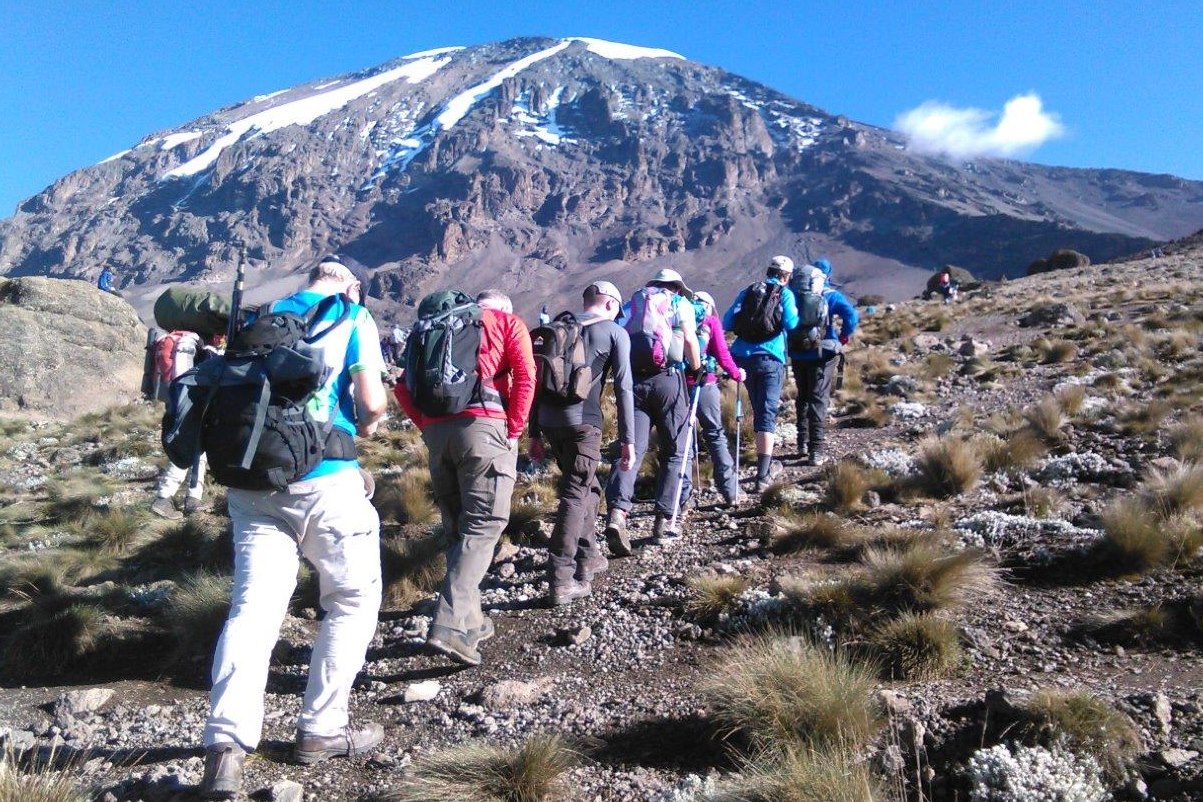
(780, 692)
(923, 577)
(947, 466)
(916, 647)
(847, 483)
(75, 495)
(1053, 352)
(1046, 419)
(1145, 417)
(533, 772)
(938, 365)
(1087, 723)
(526, 519)
(37, 781)
(1136, 539)
(115, 530)
(1174, 490)
(792, 532)
(406, 498)
(197, 542)
(1042, 502)
(54, 637)
(1071, 399)
(864, 412)
(196, 613)
(1021, 449)
(803, 775)
(710, 596)
(776, 495)
(1186, 439)
(1150, 624)
(412, 568)
(541, 493)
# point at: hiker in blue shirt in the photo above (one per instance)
(105, 282)
(761, 315)
(815, 364)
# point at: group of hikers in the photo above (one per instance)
(474, 380)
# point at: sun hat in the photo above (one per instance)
(672, 278)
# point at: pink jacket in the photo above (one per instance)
(716, 346)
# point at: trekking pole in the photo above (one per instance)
(684, 472)
(739, 416)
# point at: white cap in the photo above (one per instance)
(782, 263)
(706, 298)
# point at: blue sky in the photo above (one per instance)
(1116, 85)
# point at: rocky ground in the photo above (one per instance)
(619, 673)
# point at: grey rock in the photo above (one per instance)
(18, 740)
(512, 693)
(74, 704)
(1176, 758)
(1007, 701)
(422, 691)
(894, 703)
(286, 791)
(575, 636)
(971, 347)
(1059, 314)
(1163, 712)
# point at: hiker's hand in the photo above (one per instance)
(699, 374)
(368, 429)
(627, 460)
(513, 442)
(742, 377)
(844, 338)
(536, 449)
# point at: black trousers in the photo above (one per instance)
(814, 381)
(577, 450)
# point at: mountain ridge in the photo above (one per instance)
(538, 164)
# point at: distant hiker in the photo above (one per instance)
(544, 317)
(947, 287)
(469, 384)
(105, 282)
(662, 326)
(327, 518)
(815, 352)
(713, 343)
(571, 425)
(396, 350)
(760, 317)
(175, 353)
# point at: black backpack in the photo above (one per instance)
(248, 409)
(760, 315)
(441, 354)
(564, 374)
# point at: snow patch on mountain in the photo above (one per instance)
(173, 141)
(620, 51)
(542, 126)
(438, 51)
(302, 112)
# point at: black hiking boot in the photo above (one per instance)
(223, 770)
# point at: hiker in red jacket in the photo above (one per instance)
(473, 464)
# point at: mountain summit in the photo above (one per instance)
(534, 163)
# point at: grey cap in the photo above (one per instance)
(606, 288)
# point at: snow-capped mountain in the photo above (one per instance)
(539, 164)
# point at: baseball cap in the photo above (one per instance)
(606, 288)
(706, 298)
(352, 266)
(672, 277)
(782, 263)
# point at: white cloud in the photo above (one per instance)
(962, 133)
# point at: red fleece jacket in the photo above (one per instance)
(506, 363)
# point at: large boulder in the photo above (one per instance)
(66, 348)
(1064, 259)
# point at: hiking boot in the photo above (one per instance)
(165, 508)
(661, 534)
(454, 645)
(193, 505)
(802, 450)
(223, 770)
(816, 458)
(482, 633)
(616, 534)
(592, 567)
(775, 471)
(353, 740)
(570, 592)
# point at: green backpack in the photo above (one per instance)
(441, 355)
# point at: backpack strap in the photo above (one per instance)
(316, 312)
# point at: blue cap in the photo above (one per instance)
(823, 265)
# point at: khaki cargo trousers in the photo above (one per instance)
(472, 469)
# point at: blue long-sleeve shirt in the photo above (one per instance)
(837, 306)
(105, 282)
(774, 347)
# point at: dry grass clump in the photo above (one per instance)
(803, 775)
(938, 365)
(922, 577)
(1186, 439)
(1145, 417)
(1166, 622)
(196, 613)
(1053, 352)
(75, 495)
(780, 692)
(777, 495)
(864, 412)
(1138, 539)
(533, 772)
(710, 596)
(1087, 723)
(412, 568)
(1071, 398)
(406, 498)
(1174, 490)
(54, 636)
(526, 520)
(1042, 502)
(947, 466)
(847, 483)
(37, 781)
(792, 532)
(916, 647)
(1021, 449)
(1046, 419)
(114, 530)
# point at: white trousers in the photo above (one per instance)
(173, 477)
(331, 522)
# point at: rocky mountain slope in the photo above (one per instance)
(1008, 544)
(537, 164)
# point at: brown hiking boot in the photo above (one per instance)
(353, 740)
(452, 644)
(570, 592)
(193, 505)
(592, 567)
(223, 770)
(165, 508)
(482, 633)
(616, 534)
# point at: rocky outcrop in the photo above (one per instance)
(66, 348)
